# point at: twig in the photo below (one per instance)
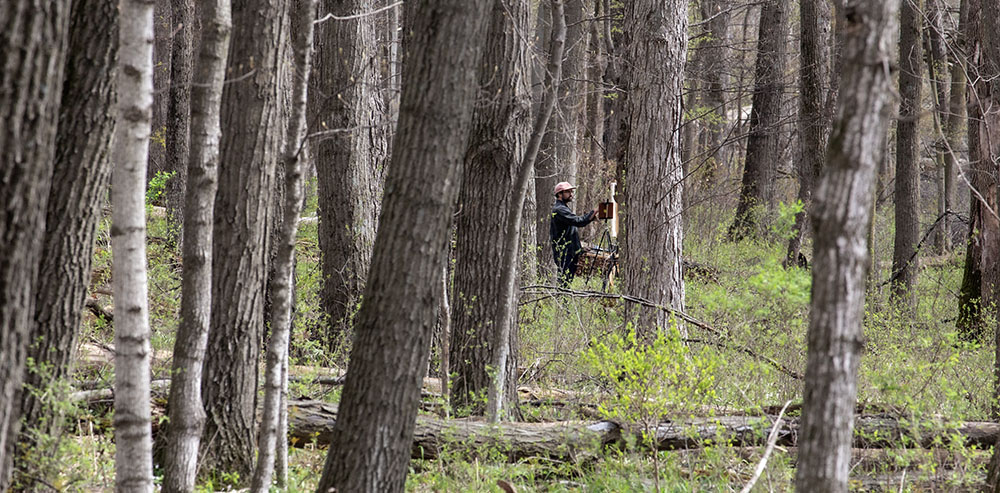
(771, 440)
(355, 16)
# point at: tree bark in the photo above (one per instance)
(760, 171)
(814, 120)
(716, 81)
(651, 247)
(393, 327)
(497, 144)
(905, 263)
(937, 71)
(82, 170)
(841, 216)
(133, 438)
(953, 125)
(248, 151)
(177, 132)
(186, 413)
(350, 164)
(32, 50)
(162, 44)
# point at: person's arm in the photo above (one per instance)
(563, 215)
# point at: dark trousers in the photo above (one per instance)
(567, 268)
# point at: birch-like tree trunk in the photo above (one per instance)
(760, 170)
(841, 215)
(397, 315)
(82, 170)
(500, 126)
(30, 90)
(133, 437)
(905, 263)
(187, 416)
(651, 247)
(281, 311)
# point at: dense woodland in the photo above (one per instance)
(305, 245)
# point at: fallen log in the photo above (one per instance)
(312, 422)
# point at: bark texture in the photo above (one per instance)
(251, 137)
(841, 216)
(500, 126)
(133, 436)
(186, 413)
(653, 233)
(32, 50)
(715, 82)
(350, 153)
(905, 263)
(937, 70)
(82, 170)
(394, 325)
(762, 151)
(177, 132)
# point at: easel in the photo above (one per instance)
(603, 257)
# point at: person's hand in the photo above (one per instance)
(593, 212)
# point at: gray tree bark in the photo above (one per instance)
(177, 132)
(716, 81)
(500, 126)
(350, 159)
(133, 435)
(989, 135)
(653, 232)
(250, 119)
(186, 413)
(162, 44)
(394, 325)
(937, 71)
(905, 263)
(814, 121)
(760, 169)
(30, 90)
(82, 170)
(841, 215)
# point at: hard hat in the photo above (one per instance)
(562, 186)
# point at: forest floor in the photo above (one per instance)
(915, 368)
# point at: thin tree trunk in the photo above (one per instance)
(716, 48)
(81, 175)
(651, 247)
(251, 138)
(133, 436)
(496, 148)
(186, 414)
(162, 32)
(814, 124)
(394, 325)
(937, 70)
(178, 121)
(956, 115)
(760, 169)
(841, 216)
(30, 89)
(905, 263)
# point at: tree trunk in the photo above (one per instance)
(500, 126)
(937, 70)
(178, 122)
(954, 123)
(814, 123)
(760, 171)
(162, 44)
(32, 50)
(133, 437)
(393, 327)
(350, 163)
(716, 81)
(651, 247)
(248, 152)
(841, 215)
(186, 413)
(81, 174)
(905, 263)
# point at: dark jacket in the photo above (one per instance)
(562, 231)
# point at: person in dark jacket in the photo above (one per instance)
(566, 247)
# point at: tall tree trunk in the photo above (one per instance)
(32, 50)
(500, 126)
(178, 122)
(162, 44)
(905, 263)
(248, 151)
(956, 114)
(281, 314)
(937, 70)
(716, 81)
(989, 130)
(651, 248)
(186, 413)
(350, 162)
(81, 173)
(760, 171)
(814, 124)
(841, 215)
(393, 327)
(133, 436)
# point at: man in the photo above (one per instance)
(566, 248)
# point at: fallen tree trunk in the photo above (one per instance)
(311, 422)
